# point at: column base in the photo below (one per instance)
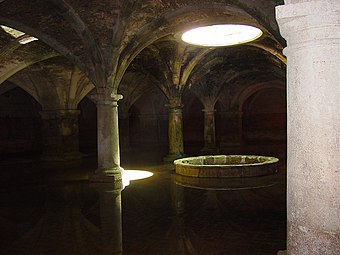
(105, 175)
(171, 157)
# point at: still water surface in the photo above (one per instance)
(62, 213)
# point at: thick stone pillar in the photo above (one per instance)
(176, 149)
(60, 132)
(209, 131)
(124, 131)
(109, 169)
(232, 128)
(313, 121)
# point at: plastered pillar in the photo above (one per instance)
(176, 149)
(108, 138)
(312, 32)
(209, 131)
(60, 135)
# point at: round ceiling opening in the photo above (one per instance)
(221, 35)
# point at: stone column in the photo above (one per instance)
(124, 131)
(209, 131)
(232, 128)
(313, 121)
(109, 169)
(175, 133)
(60, 135)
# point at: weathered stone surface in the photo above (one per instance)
(109, 169)
(312, 32)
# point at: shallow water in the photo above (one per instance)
(57, 211)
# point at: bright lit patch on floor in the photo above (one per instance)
(221, 35)
(132, 175)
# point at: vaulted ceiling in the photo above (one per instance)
(124, 43)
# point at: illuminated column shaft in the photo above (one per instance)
(175, 133)
(313, 125)
(108, 138)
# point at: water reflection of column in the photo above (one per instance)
(211, 203)
(180, 239)
(110, 218)
(177, 197)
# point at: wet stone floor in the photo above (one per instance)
(57, 211)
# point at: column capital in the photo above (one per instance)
(105, 97)
(309, 22)
(175, 103)
(175, 107)
(209, 111)
(286, 13)
(209, 106)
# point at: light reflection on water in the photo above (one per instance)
(132, 175)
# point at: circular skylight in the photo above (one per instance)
(221, 35)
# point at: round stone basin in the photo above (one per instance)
(226, 166)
